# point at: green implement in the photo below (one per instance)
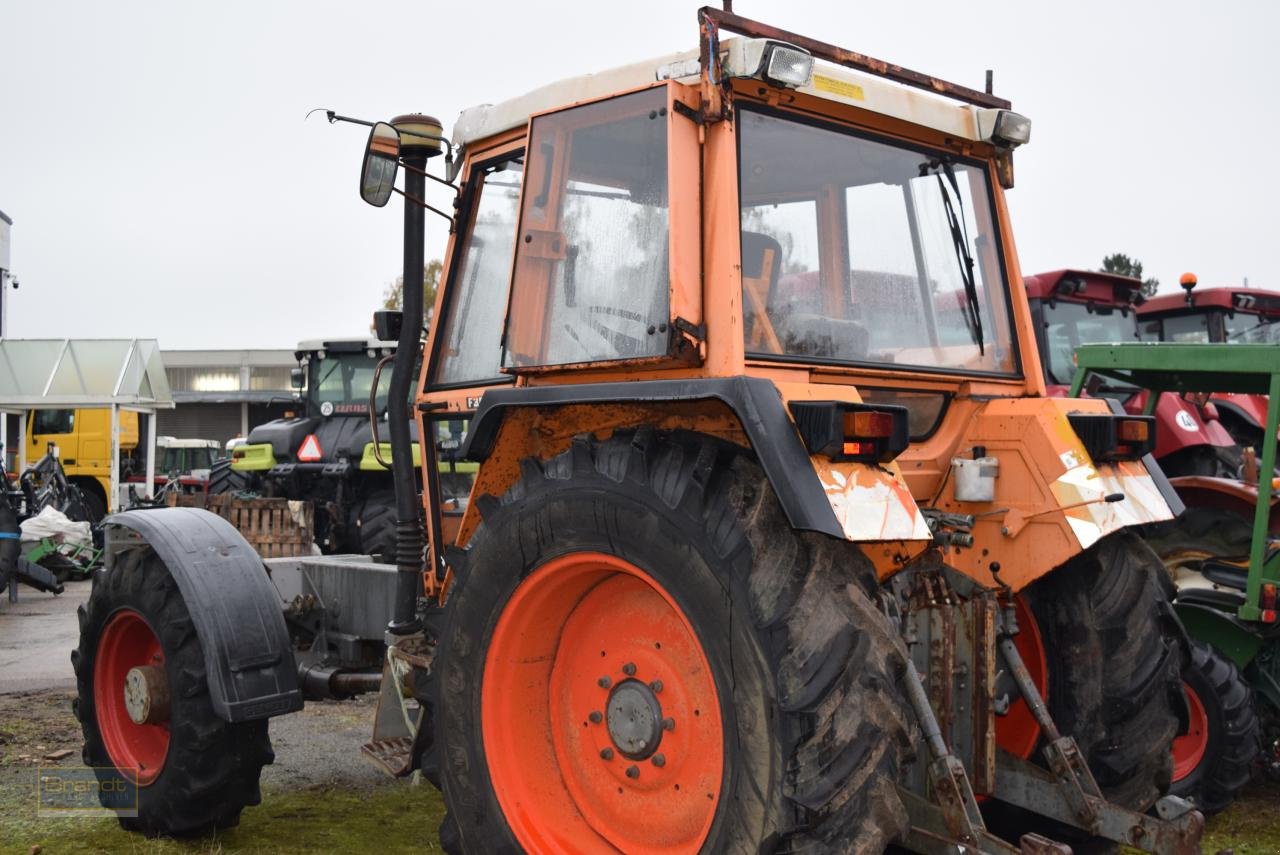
(1203, 368)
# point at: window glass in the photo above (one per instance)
(344, 380)
(53, 421)
(456, 474)
(590, 281)
(1186, 328)
(1068, 325)
(910, 225)
(1248, 328)
(472, 331)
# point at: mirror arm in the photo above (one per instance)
(456, 191)
(415, 200)
(334, 118)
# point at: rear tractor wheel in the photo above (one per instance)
(224, 479)
(145, 711)
(641, 655)
(1113, 661)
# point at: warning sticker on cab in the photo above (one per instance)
(843, 88)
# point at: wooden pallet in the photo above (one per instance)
(268, 524)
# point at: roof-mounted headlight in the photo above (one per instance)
(1004, 128)
(774, 62)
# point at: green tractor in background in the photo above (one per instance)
(326, 454)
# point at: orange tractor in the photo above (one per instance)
(765, 550)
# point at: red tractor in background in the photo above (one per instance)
(1075, 307)
(1228, 315)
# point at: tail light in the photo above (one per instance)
(238, 454)
(843, 431)
(1108, 437)
(1267, 602)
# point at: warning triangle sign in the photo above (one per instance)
(309, 451)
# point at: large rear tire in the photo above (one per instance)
(1214, 759)
(1114, 663)
(654, 578)
(194, 771)
(373, 526)
(224, 479)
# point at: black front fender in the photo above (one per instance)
(235, 608)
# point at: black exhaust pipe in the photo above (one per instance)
(409, 537)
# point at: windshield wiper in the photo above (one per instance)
(960, 243)
(1246, 331)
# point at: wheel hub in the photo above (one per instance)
(634, 718)
(146, 694)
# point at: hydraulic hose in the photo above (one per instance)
(409, 538)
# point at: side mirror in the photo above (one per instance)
(381, 163)
(296, 379)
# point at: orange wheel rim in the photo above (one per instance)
(1018, 732)
(1188, 749)
(138, 750)
(599, 713)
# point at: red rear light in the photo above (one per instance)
(1267, 600)
(1268, 616)
(238, 454)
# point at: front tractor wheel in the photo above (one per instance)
(643, 656)
(144, 706)
(1214, 759)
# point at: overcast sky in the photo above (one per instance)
(163, 182)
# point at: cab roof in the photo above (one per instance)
(1254, 300)
(343, 345)
(830, 82)
(1082, 286)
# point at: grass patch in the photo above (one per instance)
(390, 818)
(1251, 825)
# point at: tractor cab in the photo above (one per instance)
(1074, 307)
(1219, 315)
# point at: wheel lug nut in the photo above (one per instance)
(595, 717)
(604, 682)
(656, 686)
(668, 724)
(606, 753)
(633, 771)
(659, 760)
(629, 669)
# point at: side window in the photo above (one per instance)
(472, 331)
(591, 277)
(54, 421)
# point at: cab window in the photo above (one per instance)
(53, 421)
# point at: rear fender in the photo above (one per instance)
(1226, 494)
(235, 608)
(1049, 493)
(850, 501)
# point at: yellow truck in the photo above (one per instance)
(83, 438)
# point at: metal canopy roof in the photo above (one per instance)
(64, 373)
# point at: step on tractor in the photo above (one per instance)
(1074, 307)
(1226, 565)
(761, 553)
(1226, 315)
(326, 454)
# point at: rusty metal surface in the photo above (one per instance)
(849, 59)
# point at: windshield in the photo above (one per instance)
(861, 251)
(1184, 329)
(1068, 325)
(343, 380)
(1247, 328)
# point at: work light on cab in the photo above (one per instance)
(843, 431)
(1004, 128)
(773, 62)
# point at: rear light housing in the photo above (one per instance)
(1267, 601)
(843, 431)
(1109, 438)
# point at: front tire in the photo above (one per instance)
(1214, 760)
(194, 771)
(224, 479)
(654, 578)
